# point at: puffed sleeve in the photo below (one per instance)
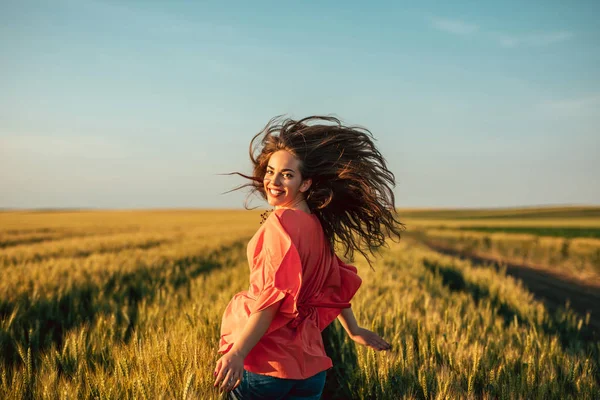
(277, 274)
(342, 284)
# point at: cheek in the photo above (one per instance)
(296, 185)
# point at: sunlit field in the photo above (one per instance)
(128, 304)
(563, 240)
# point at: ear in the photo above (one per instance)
(305, 185)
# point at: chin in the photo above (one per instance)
(271, 201)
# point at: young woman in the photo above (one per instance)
(329, 185)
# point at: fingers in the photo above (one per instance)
(383, 345)
(220, 372)
(232, 383)
(228, 373)
(218, 367)
(379, 344)
(372, 340)
(219, 377)
(228, 381)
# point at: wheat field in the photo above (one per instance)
(127, 304)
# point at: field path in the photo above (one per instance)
(552, 288)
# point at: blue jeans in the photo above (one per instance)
(259, 387)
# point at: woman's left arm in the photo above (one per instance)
(230, 367)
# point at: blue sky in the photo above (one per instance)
(139, 104)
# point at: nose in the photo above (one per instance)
(276, 180)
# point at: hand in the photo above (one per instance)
(371, 339)
(230, 369)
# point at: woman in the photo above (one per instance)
(329, 185)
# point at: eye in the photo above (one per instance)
(288, 176)
(269, 172)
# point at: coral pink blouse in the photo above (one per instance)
(290, 261)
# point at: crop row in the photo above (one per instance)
(456, 331)
(579, 257)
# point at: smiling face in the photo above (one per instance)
(283, 182)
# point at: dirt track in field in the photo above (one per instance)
(552, 288)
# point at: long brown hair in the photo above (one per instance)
(351, 191)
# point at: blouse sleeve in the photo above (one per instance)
(278, 274)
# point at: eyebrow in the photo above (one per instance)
(283, 170)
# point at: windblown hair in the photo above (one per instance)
(351, 191)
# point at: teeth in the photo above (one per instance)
(276, 192)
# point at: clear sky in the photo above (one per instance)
(139, 104)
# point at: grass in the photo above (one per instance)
(578, 258)
(563, 232)
(565, 240)
(533, 213)
(128, 305)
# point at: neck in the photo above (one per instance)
(300, 204)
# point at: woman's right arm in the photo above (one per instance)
(361, 335)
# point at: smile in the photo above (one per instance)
(275, 192)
